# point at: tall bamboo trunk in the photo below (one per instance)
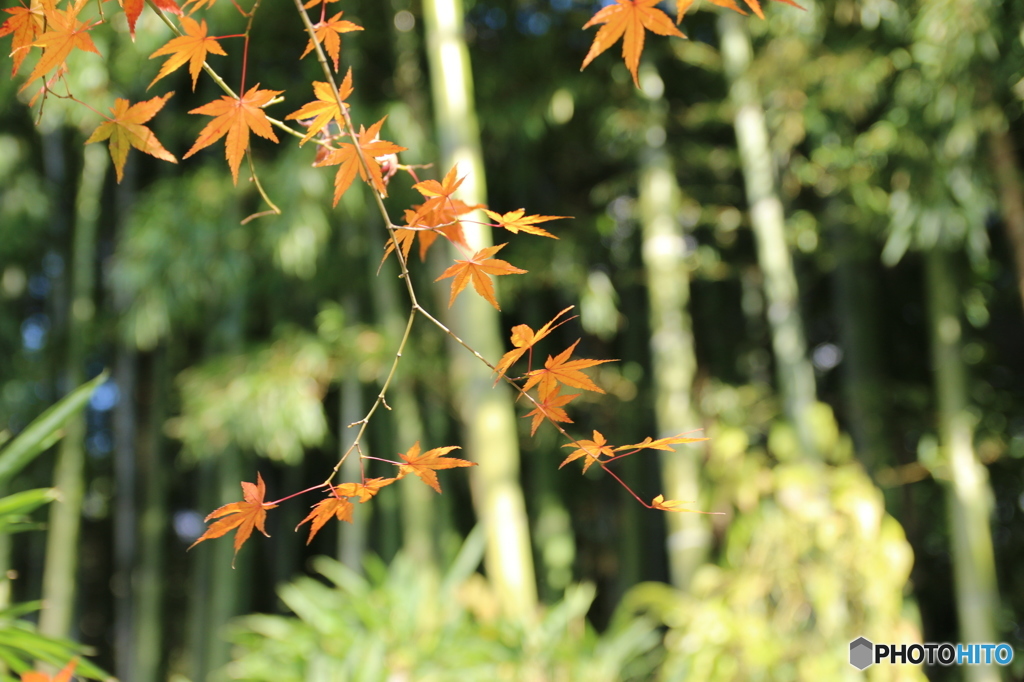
(61, 568)
(968, 493)
(673, 360)
(856, 299)
(1006, 168)
(487, 413)
(218, 588)
(795, 375)
(150, 578)
(125, 522)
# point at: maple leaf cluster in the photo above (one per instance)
(631, 19)
(251, 512)
(50, 30)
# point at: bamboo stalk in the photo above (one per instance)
(487, 412)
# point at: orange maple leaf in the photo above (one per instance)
(441, 211)
(661, 443)
(25, 24)
(133, 8)
(245, 515)
(126, 130)
(324, 108)
(629, 17)
(347, 159)
(329, 34)
(683, 5)
(338, 505)
(515, 221)
(549, 406)
(63, 676)
(442, 217)
(561, 369)
(425, 465)
(235, 118)
(476, 269)
(524, 338)
(442, 220)
(365, 490)
(591, 449)
(67, 33)
(661, 503)
(437, 194)
(191, 47)
(331, 506)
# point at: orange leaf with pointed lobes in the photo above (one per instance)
(365, 490)
(193, 47)
(515, 222)
(754, 5)
(661, 443)
(438, 193)
(683, 5)
(628, 18)
(661, 503)
(476, 269)
(346, 157)
(442, 215)
(549, 406)
(425, 465)
(524, 338)
(591, 449)
(250, 513)
(126, 130)
(235, 117)
(25, 24)
(329, 34)
(133, 8)
(327, 508)
(66, 33)
(563, 370)
(325, 108)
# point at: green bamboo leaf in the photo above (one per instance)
(44, 430)
(25, 502)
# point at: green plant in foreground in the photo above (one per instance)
(404, 621)
(20, 645)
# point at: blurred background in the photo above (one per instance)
(803, 235)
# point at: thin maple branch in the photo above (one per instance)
(301, 492)
(621, 482)
(376, 403)
(222, 84)
(274, 210)
(381, 459)
(247, 34)
(416, 308)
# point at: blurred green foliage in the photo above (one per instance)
(268, 400)
(404, 621)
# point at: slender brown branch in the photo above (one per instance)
(416, 308)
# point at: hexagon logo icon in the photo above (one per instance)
(861, 653)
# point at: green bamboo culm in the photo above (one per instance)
(968, 493)
(795, 374)
(673, 358)
(487, 413)
(60, 573)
